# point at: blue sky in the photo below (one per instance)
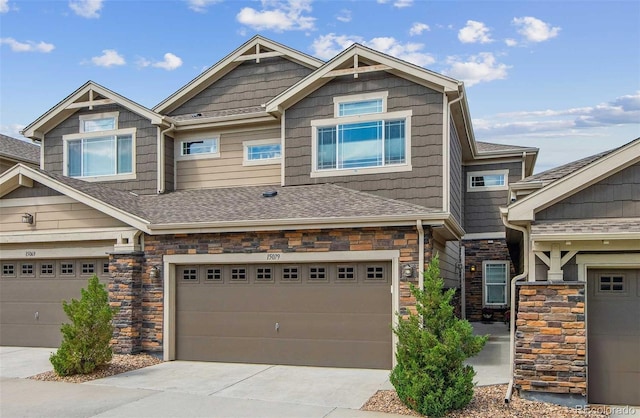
(563, 76)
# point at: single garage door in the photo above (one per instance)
(31, 295)
(613, 330)
(328, 314)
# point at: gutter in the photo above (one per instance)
(512, 319)
(420, 254)
(161, 157)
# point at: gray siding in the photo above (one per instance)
(455, 173)
(421, 186)
(146, 150)
(617, 196)
(38, 190)
(249, 84)
(169, 164)
(449, 256)
(481, 208)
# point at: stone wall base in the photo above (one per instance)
(571, 400)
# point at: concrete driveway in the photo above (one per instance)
(199, 389)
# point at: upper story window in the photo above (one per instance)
(100, 151)
(263, 151)
(362, 138)
(487, 180)
(199, 147)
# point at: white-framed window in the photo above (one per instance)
(495, 279)
(487, 180)
(100, 151)
(262, 151)
(361, 138)
(199, 147)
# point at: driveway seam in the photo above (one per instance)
(242, 380)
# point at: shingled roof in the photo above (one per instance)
(491, 147)
(16, 149)
(591, 226)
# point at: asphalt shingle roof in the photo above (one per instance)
(19, 150)
(592, 226)
(557, 173)
(491, 147)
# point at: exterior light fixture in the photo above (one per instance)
(27, 218)
(154, 273)
(407, 271)
(472, 268)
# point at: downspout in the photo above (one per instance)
(161, 158)
(512, 318)
(420, 254)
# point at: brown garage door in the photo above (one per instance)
(613, 329)
(31, 295)
(307, 314)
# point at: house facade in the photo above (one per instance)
(576, 232)
(275, 209)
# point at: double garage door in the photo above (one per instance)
(613, 330)
(31, 295)
(328, 314)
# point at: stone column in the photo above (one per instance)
(125, 286)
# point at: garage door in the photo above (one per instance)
(613, 329)
(327, 314)
(31, 295)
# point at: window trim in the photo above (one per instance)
(338, 100)
(472, 174)
(485, 263)
(178, 147)
(394, 168)
(98, 134)
(265, 161)
(94, 116)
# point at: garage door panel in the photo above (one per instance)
(25, 313)
(41, 289)
(38, 336)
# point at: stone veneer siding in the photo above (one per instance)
(403, 239)
(477, 251)
(551, 339)
(125, 288)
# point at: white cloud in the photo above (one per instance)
(27, 46)
(200, 6)
(477, 69)
(510, 42)
(4, 6)
(344, 16)
(170, 62)
(13, 130)
(398, 3)
(109, 58)
(328, 46)
(86, 8)
(278, 15)
(417, 28)
(535, 30)
(474, 32)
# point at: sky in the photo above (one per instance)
(563, 76)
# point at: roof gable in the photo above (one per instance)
(572, 178)
(89, 95)
(359, 59)
(254, 49)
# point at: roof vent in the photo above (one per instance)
(270, 193)
(196, 115)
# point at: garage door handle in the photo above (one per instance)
(277, 326)
(36, 315)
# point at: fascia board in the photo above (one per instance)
(589, 236)
(525, 209)
(228, 120)
(90, 201)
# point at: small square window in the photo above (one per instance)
(375, 273)
(105, 267)
(47, 269)
(66, 268)
(347, 273)
(612, 284)
(290, 274)
(27, 269)
(238, 274)
(190, 274)
(264, 274)
(8, 270)
(88, 268)
(213, 274)
(318, 273)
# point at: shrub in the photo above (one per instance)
(430, 376)
(86, 341)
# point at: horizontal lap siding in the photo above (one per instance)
(146, 149)
(614, 197)
(228, 170)
(38, 190)
(481, 208)
(249, 84)
(422, 185)
(456, 182)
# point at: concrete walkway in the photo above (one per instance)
(198, 389)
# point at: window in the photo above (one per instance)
(208, 146)
(100, 150)
(318, 273)
(611, 284)
(495, 275)
(264, 151)
(47, 269)
(105, 267)
(264, 274)
(362, 138)
(347, 273)
(213, 274)
(88, 268)
(375, 273)
(238, 274)
(27, 269)
(190, 274)
(66, 268)
(8, 270)
(488, 180)
(290, 274)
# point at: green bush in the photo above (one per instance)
(430, 376)
(86, 341)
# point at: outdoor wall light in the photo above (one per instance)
(27, 218)
(407, 271)
(154, 273)
(472, 268)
